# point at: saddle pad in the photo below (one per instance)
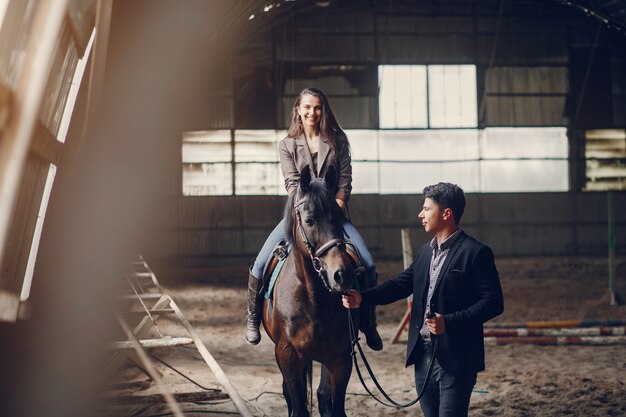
(275, 271)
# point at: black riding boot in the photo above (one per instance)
(367, 317)
(253, 314)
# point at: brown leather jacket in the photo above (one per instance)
(295, 155)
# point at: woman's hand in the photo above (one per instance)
(343, 206)
(352, 299)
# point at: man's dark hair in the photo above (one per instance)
(447, 195)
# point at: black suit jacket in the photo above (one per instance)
(467, 294)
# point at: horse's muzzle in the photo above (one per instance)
(342, 280)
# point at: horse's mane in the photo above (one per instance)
(321, 198)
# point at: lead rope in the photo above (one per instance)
(392, 403)
(310, 382)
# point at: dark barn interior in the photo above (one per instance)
(144, 134)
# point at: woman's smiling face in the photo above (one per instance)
(310, 110)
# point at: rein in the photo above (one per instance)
(355, 343)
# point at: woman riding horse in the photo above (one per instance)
(314, 142)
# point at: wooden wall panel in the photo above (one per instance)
(343, 48)
(522, 49)
(436, 48)
(591, 87)
(513, 224)
(430, 24)
(527, 80)
(525, 111)
(526, 96)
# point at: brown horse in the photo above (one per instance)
(304, 317)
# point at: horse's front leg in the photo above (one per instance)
(294, 380)
(324, 400)
(339, 374)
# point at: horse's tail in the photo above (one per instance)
(308, 374)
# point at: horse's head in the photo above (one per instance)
(315, 224)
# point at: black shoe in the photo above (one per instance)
(368, 327)
(373, 339)
(367, 315)
(253, 314)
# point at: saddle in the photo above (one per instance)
(277, 259)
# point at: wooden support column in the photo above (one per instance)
(407, 258)
(614, 297)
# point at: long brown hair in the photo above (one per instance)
(330, 130)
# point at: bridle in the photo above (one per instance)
(316, 253)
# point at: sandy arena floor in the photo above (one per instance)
(520, 380)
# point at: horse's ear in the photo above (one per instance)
(331, 177)
(305, 178)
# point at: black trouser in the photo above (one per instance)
(445, 395)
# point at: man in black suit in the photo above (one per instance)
(454, 277)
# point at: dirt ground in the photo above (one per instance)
(520, 380)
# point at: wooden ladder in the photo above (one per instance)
(143, 304)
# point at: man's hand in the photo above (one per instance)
(436, 325)
(352, 299)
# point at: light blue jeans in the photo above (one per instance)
(278, 234)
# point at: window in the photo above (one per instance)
(73, 91)
(207, 163)
(59, 83)
(402, 98)
(257, 170)
(427, 96)
(524, 159)
(387, 161)
(227, 162)
(489, 160)
(605, 159)
(34, 247)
